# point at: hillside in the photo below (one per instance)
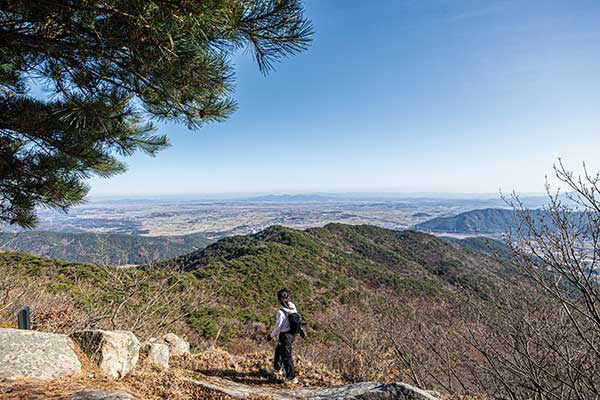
(480, 244)
(352, 284)
(337, 264)
(485, 221)
(493, 221)
(104, 249)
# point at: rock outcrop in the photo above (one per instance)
(177, 345)
(115, 352)
(39, 355)
(100, 395)
(357, 391)
(157, 354)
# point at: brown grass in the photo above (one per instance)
(153, 383)
(145, 382)
(252, 368)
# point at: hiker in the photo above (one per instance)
(288, 324)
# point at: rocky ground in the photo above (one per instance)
(211, 374)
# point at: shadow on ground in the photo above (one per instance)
(255, 378)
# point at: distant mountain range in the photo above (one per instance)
(291, 198)
(486, 221)
(109, 249)
(121, 249)
(489, 221)
(465, 200)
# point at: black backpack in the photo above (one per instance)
(295, 321)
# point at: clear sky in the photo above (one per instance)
(401, 96)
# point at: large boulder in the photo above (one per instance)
(39, 355)
(177, 345)
(115, 352)
(157, 353)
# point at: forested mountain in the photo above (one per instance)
(487, 221)
(338, 264)
(104, 249)
(480, 244)
(354, 284)
(495, 221)
(335, 264)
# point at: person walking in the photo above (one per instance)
(283, 351)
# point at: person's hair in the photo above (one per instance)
(284, 297)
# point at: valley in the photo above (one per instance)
(121, 231)
(142, 231)
(214, 218)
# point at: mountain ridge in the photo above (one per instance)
(336, 264)
(358, 276)
(493, 221)
(102, 248)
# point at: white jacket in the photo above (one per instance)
(281, 322)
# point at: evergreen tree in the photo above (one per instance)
(110, 67)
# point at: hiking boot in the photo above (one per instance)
(293, 381)
(274, 371)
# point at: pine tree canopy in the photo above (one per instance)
(109, 68)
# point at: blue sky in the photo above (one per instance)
(401, 96)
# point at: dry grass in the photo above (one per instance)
(145, 382)
(252, 368)
(153, 383)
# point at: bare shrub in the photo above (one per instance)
(56, 313)
(146, 300)
(426, 339)
(529, 350)
(552, 343)
(539, 340)
(66, 297)
(12, 292)
(360, 352)
(50, 312)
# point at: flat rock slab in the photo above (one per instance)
(100, 395)
(38, 355)
(358, 391)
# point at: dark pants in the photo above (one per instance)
(283, 355)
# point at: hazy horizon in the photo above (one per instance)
(249, 195)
